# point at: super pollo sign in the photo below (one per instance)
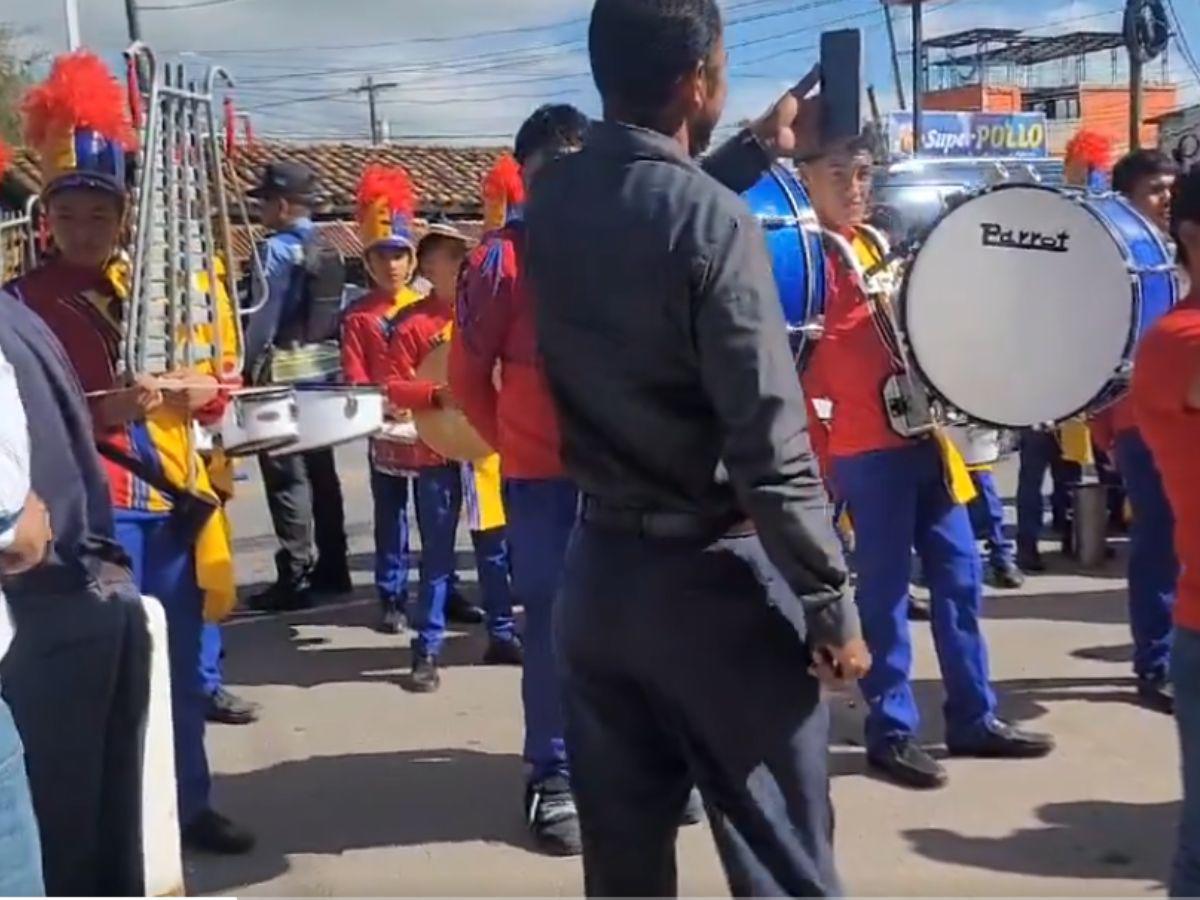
(970, 134)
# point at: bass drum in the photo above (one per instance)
(781, 205)
(1024, 304)
(333, 414)
(446, 431)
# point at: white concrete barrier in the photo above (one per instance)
(160, 813)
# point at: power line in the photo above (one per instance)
(196, 4)
(1181, 40)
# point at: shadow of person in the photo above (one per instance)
(1103, 607)
(1085, 839)
(1111, 653)
(328, 645)
(333, 804)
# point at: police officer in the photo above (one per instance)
(704, 573)
(303, 491)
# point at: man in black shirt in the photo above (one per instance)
(704, 584)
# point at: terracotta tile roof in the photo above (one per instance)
(448, 179)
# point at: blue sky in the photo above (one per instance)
(472, 70)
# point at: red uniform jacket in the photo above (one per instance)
(495, 325)
(849, 367)
(417, 330)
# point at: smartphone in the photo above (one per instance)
(841, 84)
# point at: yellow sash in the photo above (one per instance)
(481, 494)
(1076, 440)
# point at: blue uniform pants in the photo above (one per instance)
(212, 652)
(1153, 568)
(439, 504)
(899, 500)
(390, 496)
(987, 519)
(541, 514)
(164, 568)
(1040, 451)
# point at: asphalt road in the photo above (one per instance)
(358, 788)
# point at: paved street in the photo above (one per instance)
(358, 788)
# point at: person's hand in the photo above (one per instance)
(839, 666)
(792, 126)
(188, 391)
(443, 398)
(131, 403)
(31, 542)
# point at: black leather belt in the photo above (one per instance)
(661, 524)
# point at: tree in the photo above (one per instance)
(14, 77)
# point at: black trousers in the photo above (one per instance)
(677, 665)
(77, 678)
(304, 496)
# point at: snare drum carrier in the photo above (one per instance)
(793, 236)
(1023, 305)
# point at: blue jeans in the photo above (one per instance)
(541, 514)
(164, 567)
(987, 519)
(390, 496)
(212, 652)
(898, 499)
(439, 504)
(1040, 451)
(1185, 675)
(1153, 568)
(20, 846)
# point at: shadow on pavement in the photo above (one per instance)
(298, 649)
(1105, 607)
(332, 804)
(1110, 653)
(1086, 839)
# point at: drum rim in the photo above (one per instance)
(1131, 335)
(338, 389)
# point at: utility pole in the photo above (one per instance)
(371, 87)
(918, 87)
(1135, 102)
(132, 20)
(72, 12)
(891, 32)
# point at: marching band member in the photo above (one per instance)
(366, 330)
(1166, 408)
(902, 492)
(1146, 178)
(1087, 161)
(416, 330)
(986, 511)
(164, 504)
(495, 320)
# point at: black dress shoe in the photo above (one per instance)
(424, 678)
(1157, 694)
(462, 611)
(1000, 740)
(905, 762)
(211, 832)
(332, 579)
(507, 652)
(230, 709)
(1006, 576)
(1029, 559)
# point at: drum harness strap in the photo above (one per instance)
(905, 399)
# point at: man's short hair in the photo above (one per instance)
(1140, 164)
(551, 129)
(1185, 204)
(641, 48)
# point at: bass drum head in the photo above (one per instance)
(1018, 308)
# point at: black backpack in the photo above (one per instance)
(320, 281)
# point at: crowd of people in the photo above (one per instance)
(663, 498)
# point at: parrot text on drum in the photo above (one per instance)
(996, 235)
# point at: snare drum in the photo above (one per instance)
(781, 205)
(259, 420)
(333, 414)
(1024, 304)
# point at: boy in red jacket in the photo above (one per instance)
(417, 330)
